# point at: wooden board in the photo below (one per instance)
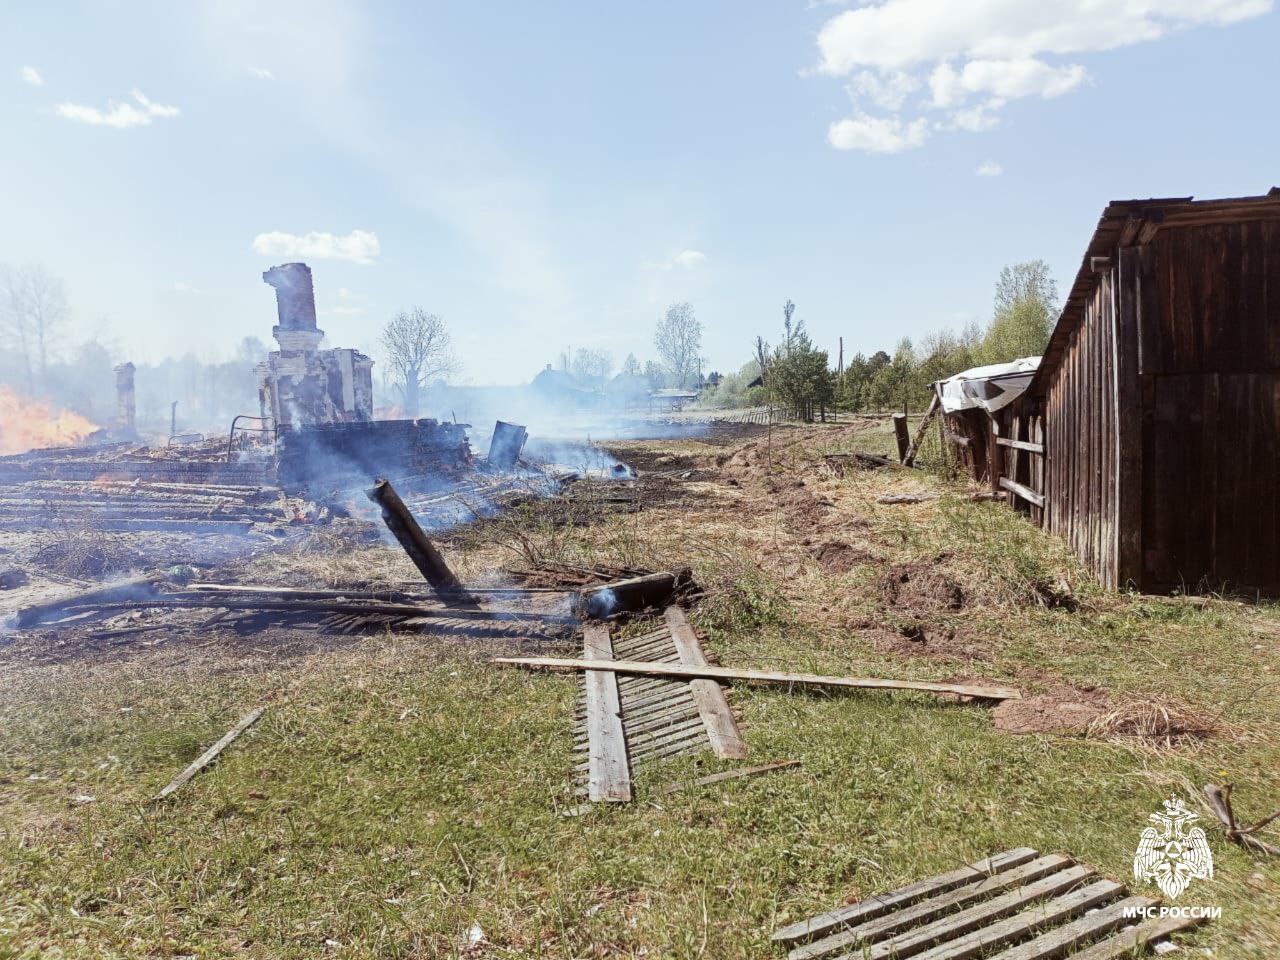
(211, 754)
(722, 729)
(762, 676)
(1016, 905)
(610, 773)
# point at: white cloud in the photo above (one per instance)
(989, 168)
(119, 115)
(359, 246)
(1002, 79)
(877, 134)
(689, 259)
(182, 287)
(976, 56)
(260, 73)
(32, 76)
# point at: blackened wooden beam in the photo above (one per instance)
(429, 561)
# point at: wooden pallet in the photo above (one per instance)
(1016, 905)
(625, 721)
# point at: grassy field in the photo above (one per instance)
(402, 798)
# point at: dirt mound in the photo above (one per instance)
(836, 556)
(920, 587)
(920, 639)
(1062, 709)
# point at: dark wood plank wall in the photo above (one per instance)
(1079, 478)
(1210, 384)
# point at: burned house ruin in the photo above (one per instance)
(300, 384)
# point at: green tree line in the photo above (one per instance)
(794, 373)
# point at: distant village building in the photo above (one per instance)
(628, 391)
(561, 388)
(300, 384)
(1147, 437)
(672, 398)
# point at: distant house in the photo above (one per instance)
(563, 389)
(628, 391)
(671, 398)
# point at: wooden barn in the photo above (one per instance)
(1147, 438)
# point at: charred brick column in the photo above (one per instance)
(295, 307)
(126, 400)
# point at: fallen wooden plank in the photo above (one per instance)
(1026, 493)
(929, 414)
(875, 906)
(761, 676)
(134, 589)
(907, 498)
(209, 755)
(711, 779)
(609, 775)
(722, 729)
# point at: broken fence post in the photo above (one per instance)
(902, 435)
(633, 595)
(421, 550)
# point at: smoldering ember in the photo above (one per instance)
(428, 528)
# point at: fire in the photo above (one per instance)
(30, 424)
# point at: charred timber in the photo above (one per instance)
(653, 591)
(429, 561)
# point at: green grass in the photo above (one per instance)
(399, 790)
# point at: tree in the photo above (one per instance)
(419, 351)
(654, 373)
(797, 373)
(1026, 305)
(592, 366)
(33, 304)
(631, 366)
(678, 339)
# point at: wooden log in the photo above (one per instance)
(722, 729)
(902, 435)
(907, 498)
(135, 589)
(685, 672)
(429, 561)
(632, 595)
(609, 776)
(929, 414)
(209, 755)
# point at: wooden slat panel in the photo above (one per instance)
(980, 916)
(610, 773)
(1056, 942)
(924, 911)
(1125, 943)
(1021, 445)
(822, 924)
(722, 729)
(1053, 911)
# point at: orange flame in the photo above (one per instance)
(30, 424)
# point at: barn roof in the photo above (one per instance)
(1127, 223)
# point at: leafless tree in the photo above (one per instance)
(419, 351)
(33, 306)
(591, 365)
(678, 339)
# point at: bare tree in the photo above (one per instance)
(419, 351)
(631, 366)
(33, 305)
(591, 365)
(678, 339)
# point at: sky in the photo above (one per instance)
(549, 176)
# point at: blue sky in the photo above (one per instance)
(551, 175)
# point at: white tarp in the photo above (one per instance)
(989, 388)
